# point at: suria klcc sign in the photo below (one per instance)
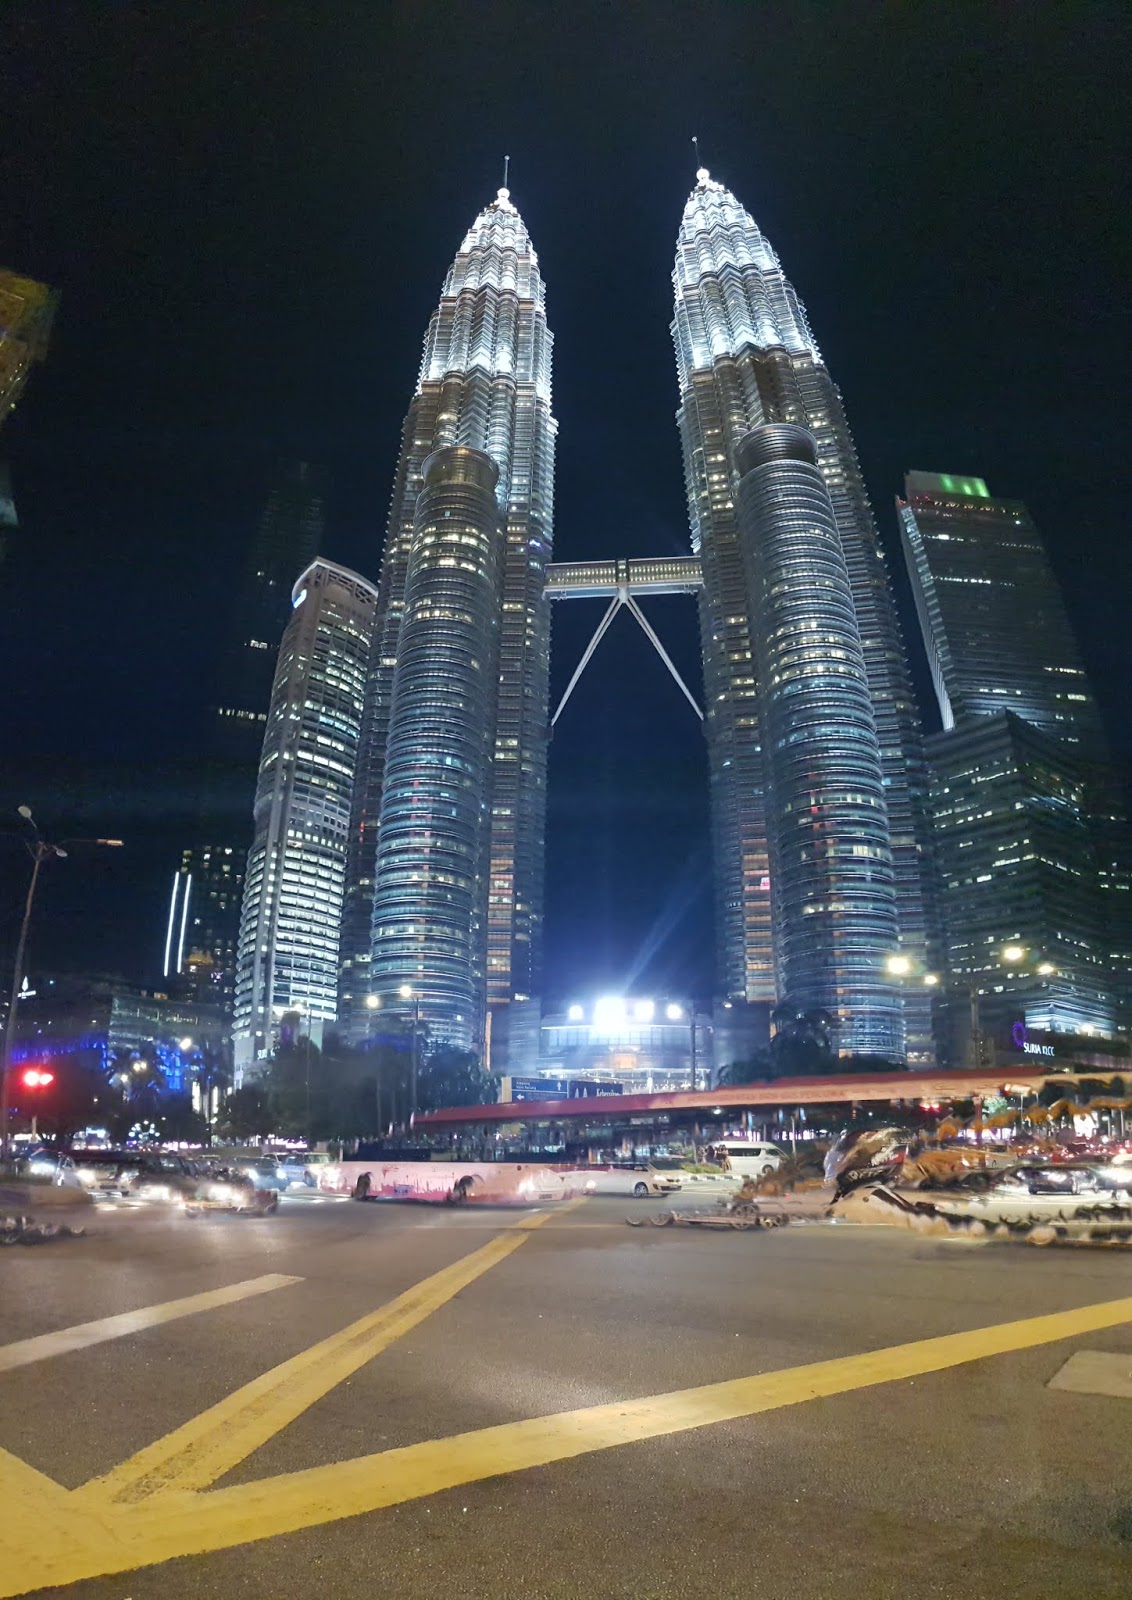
(1028, 1046)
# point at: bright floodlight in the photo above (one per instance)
(373, 1001)
(674, 1012)
(186, 1044)
(898, 966)
(1047, 969)
(575, 1013)
(609, 1012)
(406, 991)
(931, 979)
(643, 1010)
(1012, 953)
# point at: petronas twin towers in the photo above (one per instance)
(813, 742)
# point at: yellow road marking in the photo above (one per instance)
(24, 1351)
(208, 1446)
(296, 1500)
(66, 1538)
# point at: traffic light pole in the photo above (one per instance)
(40, 853)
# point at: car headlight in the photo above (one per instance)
(225, 1193)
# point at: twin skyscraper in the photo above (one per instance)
(814, 753)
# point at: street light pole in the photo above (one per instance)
(40, 850)
(40, 854)
(407, 992)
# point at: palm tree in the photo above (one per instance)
(803, 1040)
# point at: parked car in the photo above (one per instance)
(638, 1178)
(265, 1172)
(301, 1166)
(106, 1172)
(58, 1167)
(747, 1158)
(162, 1178)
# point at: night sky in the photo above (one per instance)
(248, 210)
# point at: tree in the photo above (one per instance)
(179, 1121)
(802, 1045)
(451, 1077)
(247, 1113)
(78, 1097)
(752, 1070)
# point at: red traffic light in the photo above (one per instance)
(34, 1079)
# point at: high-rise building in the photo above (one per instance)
(1029, 836)
(430, 901)
(484, 386)
(993, 621)
(746, 356)
(292, 904)
(202, 928)
(289, 534)
(27, 309)
(1025, 936)
(831, 882)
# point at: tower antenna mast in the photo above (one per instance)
(506, 169)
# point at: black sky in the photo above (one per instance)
(249, 209)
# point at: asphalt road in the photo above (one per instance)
(942, 1469)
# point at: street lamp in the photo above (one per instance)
(407, 992)
(40, 850)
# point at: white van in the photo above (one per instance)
(746, 1159)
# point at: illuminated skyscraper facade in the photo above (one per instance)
(993, 620)
(1030, 841)
(832, 898)
(430, 902)
(484, 386)
(290, 532)
(746, 356)
(291, 915)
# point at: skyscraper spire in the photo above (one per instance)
(745, 356)
(484, 386)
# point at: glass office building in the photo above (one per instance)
(484, 385)
(430, 898)
(1021, 892)
(832, 896)
(993, 621)
(291, 914)
(1031, 843)
(745, 356)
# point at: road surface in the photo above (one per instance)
(395, 1400)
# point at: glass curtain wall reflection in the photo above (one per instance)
(832, 896)
(484, 384)
(745, 356)
(291, 915)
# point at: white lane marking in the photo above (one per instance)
(1096, 1372)
(25, 1351)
